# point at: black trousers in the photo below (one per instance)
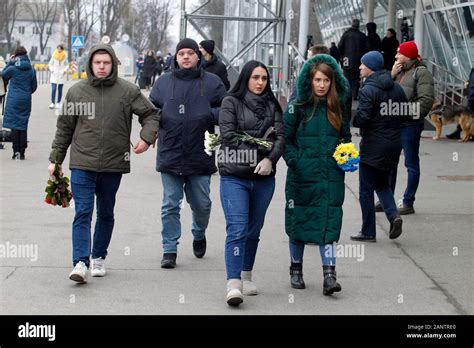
(19, 140)
(353, 77)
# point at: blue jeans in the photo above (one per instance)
(327, 252)
(372, 179)
(59, 88)
(197, 189)
(245, 203)
(84, 185)
(410, 137)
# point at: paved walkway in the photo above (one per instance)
(428, 270)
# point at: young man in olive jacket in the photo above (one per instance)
(189, 99)
(417, 82)
(96, 121)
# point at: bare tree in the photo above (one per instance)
(111, 16)
(70, 19)
(80, 19)
(137, 25)
(44, 15)
(213, 28)
(160, 19)
(9, 11)
(148, 23)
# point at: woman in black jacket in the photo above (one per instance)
(149, 68)
(247, 171)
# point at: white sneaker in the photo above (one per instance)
(51, 106)
(79, 273)
(234, 292)
(58, 105)
(249, 288)
(98, 269)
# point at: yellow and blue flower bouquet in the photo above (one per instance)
(347, 157)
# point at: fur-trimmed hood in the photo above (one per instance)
(303, 84)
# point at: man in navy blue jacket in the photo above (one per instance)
(382, 106)
(189, 99)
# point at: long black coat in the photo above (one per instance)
(373, 39)
(378, 121)
(389, 50)
(216, 67)
(352, 46)
(253, 115)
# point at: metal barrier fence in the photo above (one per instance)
(42, 76)
(448, 87)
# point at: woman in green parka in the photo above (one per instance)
(315, 124)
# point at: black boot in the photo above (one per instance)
(296, 273)
(330, 285)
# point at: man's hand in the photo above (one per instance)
(51, 169)
(264, 167)
(140, 147)
(396, 69)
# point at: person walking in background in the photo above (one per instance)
(168, 62)
(139, 65)
(417, 82)
(247, 186)
(189, 99)
(2, 84)
(21, 85)
(373, 39)
(352, 47)
(380, 145)
(159, 66)
(334, 52)
(149, 68)
(314, 126)
(100, 153)
(389, 48)
(58, 66)
(211, 63)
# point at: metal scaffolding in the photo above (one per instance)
(252, 30)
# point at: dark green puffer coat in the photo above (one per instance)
(314, 183)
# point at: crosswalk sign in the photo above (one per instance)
(77, 41)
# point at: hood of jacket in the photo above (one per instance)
(205, 63)
(371, 28)
(23, 62)
(381, 79)
(106, 81)
(303, 84)
(409, 64)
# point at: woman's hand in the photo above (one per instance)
(264, 167)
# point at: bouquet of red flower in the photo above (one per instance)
(57, 192)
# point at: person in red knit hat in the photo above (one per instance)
(417, 82)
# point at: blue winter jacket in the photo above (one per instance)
(379, 116)
(190, 102)
(22, 84)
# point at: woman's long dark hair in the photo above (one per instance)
(240, 87)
